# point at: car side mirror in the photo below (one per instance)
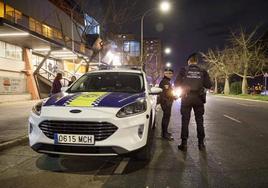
(155, 91)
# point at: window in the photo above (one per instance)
(36, 60)
(134, 48)
(1, 9)
(109, 82)
(47, 31)
(2, 49)
(32, 24)
(126, 46)
(10, 11)
(10, 51)
(18, 53)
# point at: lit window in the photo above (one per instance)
(2, 49)
(1, 9)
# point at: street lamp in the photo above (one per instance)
(164, 6)
(167, 50)
(168, 64)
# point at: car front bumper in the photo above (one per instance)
(124, 140)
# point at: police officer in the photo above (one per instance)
(166, 99)
(192, 79)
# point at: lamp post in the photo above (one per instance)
(164, 7)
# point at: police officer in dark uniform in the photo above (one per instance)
(166, 99)
(193, 80)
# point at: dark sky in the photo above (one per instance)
(196, 25)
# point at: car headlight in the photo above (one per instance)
(37, 108)
(138, 107)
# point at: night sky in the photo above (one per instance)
(196, 25)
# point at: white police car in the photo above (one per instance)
(106, 112)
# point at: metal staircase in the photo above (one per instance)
(44, 79)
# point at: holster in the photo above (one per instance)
(203, 96)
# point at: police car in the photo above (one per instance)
(105, 112)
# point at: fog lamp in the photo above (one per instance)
(140, 130)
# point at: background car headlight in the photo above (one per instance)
(37, 108)
(137, 107)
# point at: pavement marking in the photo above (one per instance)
(231, 118)
(121, 167)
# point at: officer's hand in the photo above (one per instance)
(158, 108)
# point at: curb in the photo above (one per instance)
(242, 99)
(12, 143)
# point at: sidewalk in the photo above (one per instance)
(239, 98)
(14, 122)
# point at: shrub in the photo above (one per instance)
(236, 88)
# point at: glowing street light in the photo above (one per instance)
(165, 6)
(167, 50)
(168, 64)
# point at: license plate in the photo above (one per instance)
(74, 139)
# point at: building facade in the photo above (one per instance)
(40, 37)
(125, 49)
(153, 58)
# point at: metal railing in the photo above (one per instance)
(51, 76)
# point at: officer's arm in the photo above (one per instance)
(179, 78)
(207, 81)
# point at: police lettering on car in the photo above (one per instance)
(193, 80)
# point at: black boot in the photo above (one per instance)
(183, 145)
(201, 145)
(167, 136)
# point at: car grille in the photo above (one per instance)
(100, 130)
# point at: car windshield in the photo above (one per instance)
(109, 82)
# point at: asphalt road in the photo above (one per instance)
(14, 119)
(236, 156)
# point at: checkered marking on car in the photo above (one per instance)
(88, 100)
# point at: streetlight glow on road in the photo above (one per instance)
(167, 50)
(165, 6)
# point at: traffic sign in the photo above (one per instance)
(266, 74)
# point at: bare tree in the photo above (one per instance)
(154, 68)
(248, 58)
(219, 64)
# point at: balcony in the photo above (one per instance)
(12, 18)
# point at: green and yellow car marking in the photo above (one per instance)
(87, 100)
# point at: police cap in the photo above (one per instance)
(193, 57)
(168, 69)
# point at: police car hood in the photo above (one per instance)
(93, 99)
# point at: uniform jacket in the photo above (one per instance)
(166, 97)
